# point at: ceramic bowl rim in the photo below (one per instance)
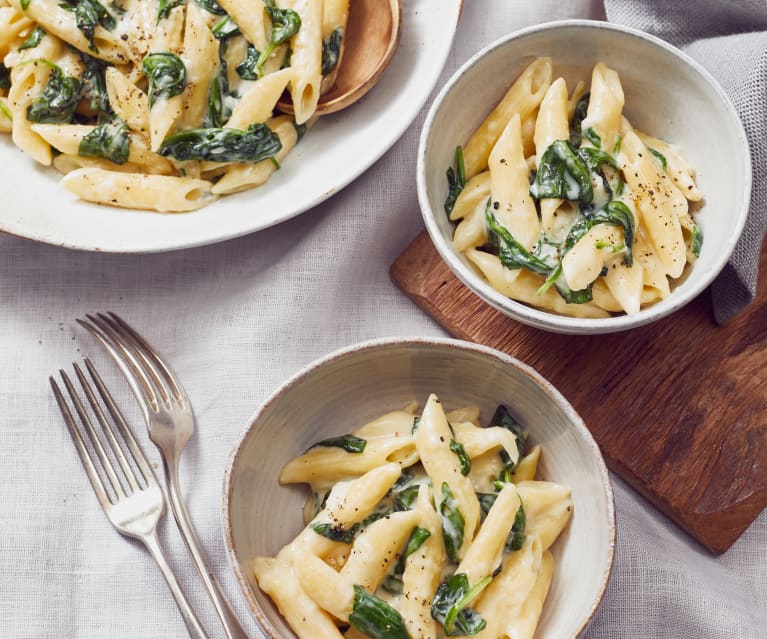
(426, 343)
(561, 323)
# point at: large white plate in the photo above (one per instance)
(332, 154)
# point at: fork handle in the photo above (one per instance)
(229, 620)
(187, 614)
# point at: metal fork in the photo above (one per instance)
(135, 504)
(170, 421)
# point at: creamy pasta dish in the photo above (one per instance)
(561, 204)
(164, 104)
(420, 526)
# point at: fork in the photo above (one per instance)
(170, 422)
(135, 504)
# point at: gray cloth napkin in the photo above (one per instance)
(729, 38)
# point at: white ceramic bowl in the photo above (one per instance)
(350, 387)
(668, 95)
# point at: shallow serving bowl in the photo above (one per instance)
(668, 95)
(350, 387)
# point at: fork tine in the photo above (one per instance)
(135, 450)
(106, 426)
(106, 464)
(138, 381)
(82, 451)
(128, 343)
(151, 352)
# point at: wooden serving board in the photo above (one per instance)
(678, 407)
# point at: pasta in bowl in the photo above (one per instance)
(581, 197)
(514, 500)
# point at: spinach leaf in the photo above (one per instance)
(25, 4)
(300, 130)
(592, 136)
(504, 419)
(285, 24)
(94, 85)
(211, 6)
(247, 68)
(331, 50)
(661, 158)
(516, 538)
(166, 6)
(109, 141)
(697, 240)
(450, 606)
(225, 28)
(5, 77)
(89, 14)
(579, 113)
(402, 482)
(416, 421)
(456, 180)
(349, 443)
(594, 158)
(453, 522)
(405, 498)
(166, 73)
(218, 112)
(486, 501)
(336, 533)
(460, 451)
(222, 145)
(393, 582)
(511, 253)
(562, 174)
(375, 618)
(58, 100)
(33, 39)
(617, 214)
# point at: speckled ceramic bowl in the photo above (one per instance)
(668, 95)
(350, 387)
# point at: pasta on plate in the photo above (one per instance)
(420, 527)
(561, 204)
(164, 105)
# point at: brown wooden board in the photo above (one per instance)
(678, 407)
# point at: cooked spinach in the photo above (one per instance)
(336, 533)
(457, 448)
(504, 419)
(697, 240)
(594, 158)
(349, 443)
(225, 28)
(393, 581)
(58, 100)
(456, 180)
(511, 253)
(402, 482)
(563, 174)
(166, 6)
(166, 73)
(516, 538)
(109, 141)
(592, 136)
(579, 113)
(33, 39)
(94, 85)
(5, 77)
(615, 213)
(453, 522)
(285, 24)
(414, 427)
(247, 68)
(486, 501)
(331, 50)
(450, 606)
(217, 112)
(661, 158)
(211, 6)
(300, 130)
(375, 618)
(25, 4)
(90, 14)
(405, 498)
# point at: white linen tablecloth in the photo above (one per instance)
(235, 320)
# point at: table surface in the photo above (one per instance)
(235, 320)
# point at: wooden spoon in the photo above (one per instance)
(371, 38)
